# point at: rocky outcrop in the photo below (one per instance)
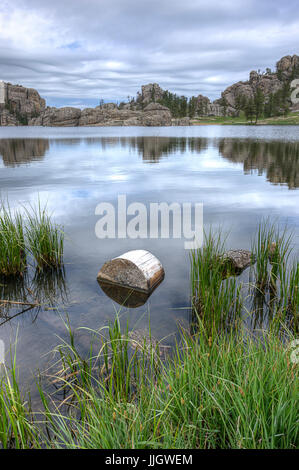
(150, 93)
(287, 65)
(204, 107)
(7, 118)
(21, 106)
(153, 114)
(18, 104)
(25, 101)
(107, 114)
(268, 82)
(67, 116)
(185, 121)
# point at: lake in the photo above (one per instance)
(241, 174)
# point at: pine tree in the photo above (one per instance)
(259, 100)
(249, 110)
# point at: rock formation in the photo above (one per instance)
(108, 114)
(18, 104)
(22, 106)
(287, 65)
(150, 93)
(57, 117)
(268, 82)
(204, 107)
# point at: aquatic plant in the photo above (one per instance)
(215, 297)
(12, 242)
(272, 250)
(274, 281)
(230, 391)
(218, 388)
(270, 296)
(45, 239)
(17, 423)
(32, 232)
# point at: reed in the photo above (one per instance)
(227, 392)
(272, 248)
(12, 242)
(18, 428)
(230, 391)
(274, 280)
(45, 239)
(33, 233)
(293, 296)
(220, 387)
(215, 297)
(220, 299)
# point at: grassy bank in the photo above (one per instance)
(227, 392)
(290, 119)
(222, 386)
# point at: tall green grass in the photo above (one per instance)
(18, 428)
(270, 296)
(272, 248)
(32, 232)
(45, 239)
(12, 242)
(216, 299)
(231, 391)
(220, 387)
(274, 277)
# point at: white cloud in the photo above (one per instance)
(90, 49)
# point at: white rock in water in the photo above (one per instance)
(137, 269)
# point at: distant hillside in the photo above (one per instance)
(264, 95)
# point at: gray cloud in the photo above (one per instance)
(78, 51)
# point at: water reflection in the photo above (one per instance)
(153, 149)
(78, 171)
(45, 290)
(279, 160)
(123, 296)
(16, 152)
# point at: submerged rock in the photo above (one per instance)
(238, 259)
(142, 340)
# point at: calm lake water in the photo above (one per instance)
(240, 174)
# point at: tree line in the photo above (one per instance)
(259, 105)
(180, 106)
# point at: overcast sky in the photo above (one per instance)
(75, 52)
